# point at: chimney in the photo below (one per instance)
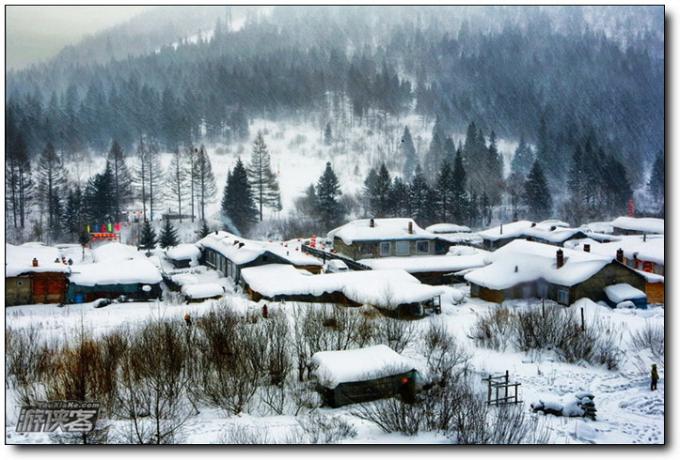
(215, 232)
(560, 258)
(619, 255)
(501, 231)
(644, 237)
(516, 268)
(586, 247)
(35, 262)
(552, 228)
(371, 223)
(410, 227)
(533, 224)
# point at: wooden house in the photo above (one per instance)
(393, 291)
(396, 237)
(230, 254)
(133, 279)
(183, 255)
(34, 273)
(524, 269)
(366, 374)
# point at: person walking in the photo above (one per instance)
(655, 377)
(187, 318)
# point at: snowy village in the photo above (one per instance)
(363, 260)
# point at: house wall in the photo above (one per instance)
(18, 290)
(48, 287)
(403, 384)
(655, 292)
(371, 249)
(490, 295)
(612, 273)
(113, 291)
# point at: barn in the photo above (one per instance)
(230, 254)
(32, 276)
(524, 269)
(395, 237)
(366, 374)
(393, 291)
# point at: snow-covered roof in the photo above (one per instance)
(183, 252)
(558, 235)
(623, 291)
(202, 290)
(522, 261)
(651, 278)
(651, 250)
(383, 229)
(419, 264)
(331, 368)
(599, 227)
(132, 271)
(552, 230)
(382, 288)
(511, 230)
(448, 228)
(241, 251)
(112, 252)
(461, 237)
(639, 224)
(19, 259)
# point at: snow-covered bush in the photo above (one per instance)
(493, 328)
(650, 337)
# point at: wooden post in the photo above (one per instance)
(488, 399)
(507, 381)
(543, 307)
(583, 321)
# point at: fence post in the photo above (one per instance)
(583, 321)
(488, 399)
(507, 381)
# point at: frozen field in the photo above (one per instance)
(628, 412)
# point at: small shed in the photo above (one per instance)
(183, 255)
(624, 292)
(366, 374)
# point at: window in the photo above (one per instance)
(563, 296)
(423, 247)
(402, 248)
(385, 248)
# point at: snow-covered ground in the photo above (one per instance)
(628, 412)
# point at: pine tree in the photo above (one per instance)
(73, 214)
(262, 179)
(98, 203)
(122, 193)
(177, 181)
(204, 230)
(408, 152)
(51, 185)
(444, 189)
(493, 183)
(168, 236)
(148, 239)
(657, 181)
(205, 181)
(328, 134)
(18, 179)
(460, 201)
(399, 198)
(421, 199)
(435, 155)
(330, 210)
(238, 204)
(537, 196)
(523, 159)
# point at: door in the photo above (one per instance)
(39, 289)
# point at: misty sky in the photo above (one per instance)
(35, 33)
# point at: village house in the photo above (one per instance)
(637, 225)
(34, 273)
(394, 237)
(434, 269)
(230, 254)
(524, 269)
(133, 279)
(395, 292)
(643, 253)
(366, 374)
